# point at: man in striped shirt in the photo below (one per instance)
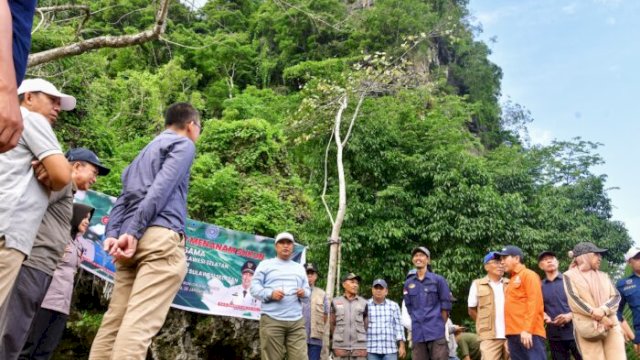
(385, 335)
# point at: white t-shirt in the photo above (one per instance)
(498, 300)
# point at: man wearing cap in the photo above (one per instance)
(24, 199)
(385, 335)
(349, 321)
(524, 308)
(280, 284)
(557, 314)
(145, 235)
(486, 307)
(315, 313)
(629, 289)
(428, 301)
(48, 248)
(240, 294)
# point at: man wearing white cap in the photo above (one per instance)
(629, 289)
(24, 194)
(279, 283)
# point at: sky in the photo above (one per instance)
(575, 65)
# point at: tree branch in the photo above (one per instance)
(105, 41)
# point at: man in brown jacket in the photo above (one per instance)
(486, 307)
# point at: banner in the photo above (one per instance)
(221, 262)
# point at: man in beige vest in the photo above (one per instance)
(315, 314)
(486, 307)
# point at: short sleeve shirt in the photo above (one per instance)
(22, 12)
(54, 232)
(23, 200)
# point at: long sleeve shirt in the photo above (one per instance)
(277, 274)
(425, 300)
(154, 188)
(629, 289)
(524, 305)
(385, 327)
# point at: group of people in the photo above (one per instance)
(40, 229)
(579, 311)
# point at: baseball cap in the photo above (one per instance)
(67, 102)
(249, 266)
(510, 250)
(310, 267)
(546, 253)
(631, 253)
(491, 255)
(284, 236)
(380, 282)
(421, 249)
(82, 154)
(586, 248)
(351, 276)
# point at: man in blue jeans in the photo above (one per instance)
(385, 334)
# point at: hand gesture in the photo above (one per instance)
(300, 292)
(277, 295)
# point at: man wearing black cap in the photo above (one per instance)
(240, 294)
(524, 308)
(428, 301)
(385, 335)
(557, 314)
(315, 313)
(48, 249)
(349, 321)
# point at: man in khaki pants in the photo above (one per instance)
(145, 235)
(486, 307)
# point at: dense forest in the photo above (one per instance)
(433, 158)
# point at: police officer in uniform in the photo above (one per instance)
(629, 289)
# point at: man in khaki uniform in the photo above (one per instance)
(486, 307)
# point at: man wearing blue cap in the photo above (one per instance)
(428, 301)
(48, 249)
(486, 307)
(385, 335)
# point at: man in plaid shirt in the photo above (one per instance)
(385, 336)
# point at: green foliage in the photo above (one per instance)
(433, 158)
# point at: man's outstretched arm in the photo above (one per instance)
(10, 118)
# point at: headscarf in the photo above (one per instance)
(582, 266)
(80, 211)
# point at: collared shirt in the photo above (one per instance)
(277, 274)
(23, 200)
(498, 301)
(385, 327)
(555, 303)
(54, 232)
(524, 306)
(154, 188)
(629, 289)
(306, 312)
(425, 299)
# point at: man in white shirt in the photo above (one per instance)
(486, 307)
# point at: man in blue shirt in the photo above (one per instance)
(145, 235)
(385, 335)
(557, 314)
(629, 289)
(280, 284)
(16, 19)
(428, 301)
